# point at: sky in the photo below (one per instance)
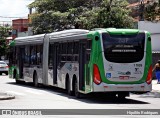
(13, 8)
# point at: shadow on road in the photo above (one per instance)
(90, 98)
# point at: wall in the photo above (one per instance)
(154, 29)
(22, 34)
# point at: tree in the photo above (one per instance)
(55, 15)
(4, 33)
(152, 11)
(114, 13)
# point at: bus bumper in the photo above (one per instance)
(103, 87)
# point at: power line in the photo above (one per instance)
(11, 17)
(5, 21)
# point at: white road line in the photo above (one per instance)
(15, 93)
(34, 92)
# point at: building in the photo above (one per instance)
(20, 27)
(154, 29)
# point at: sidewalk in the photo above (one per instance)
(155, 86)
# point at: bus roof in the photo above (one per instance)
(71, 34)
(122, 31)
(55, 36)
(29, 39)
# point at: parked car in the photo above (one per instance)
(3, 68)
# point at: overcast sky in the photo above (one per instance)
(13, 8)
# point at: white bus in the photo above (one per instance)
(81, 61)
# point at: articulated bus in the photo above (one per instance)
(111, 61)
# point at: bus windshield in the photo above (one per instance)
(123, 48)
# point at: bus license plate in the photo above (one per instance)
(123, 77)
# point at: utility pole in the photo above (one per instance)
(141, 10)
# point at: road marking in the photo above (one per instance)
(34, 92)
(16, 93)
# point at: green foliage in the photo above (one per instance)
(115, 14)
(152, 11)
(55, 15)
(3, 46)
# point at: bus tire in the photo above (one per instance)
(35, 79)
(122, 96)
(6, 73)
(76, 92)
(18, 81)
(69, 92)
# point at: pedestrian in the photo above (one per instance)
(157, 69)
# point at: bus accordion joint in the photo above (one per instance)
(149, 76)
(96, 75)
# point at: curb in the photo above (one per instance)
(6, 96)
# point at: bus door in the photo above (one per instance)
(55, 62)
(21, 61)
(87, 65)
(82, 61)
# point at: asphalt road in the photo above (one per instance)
(29, 97)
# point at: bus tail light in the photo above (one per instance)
(96, 75)
(149, 76)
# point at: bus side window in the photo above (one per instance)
(69, 51)
(63, 52)
(27, 54)
(33, 55)
(60, 49)
(50, 62)
(75, 51)
(39, 54)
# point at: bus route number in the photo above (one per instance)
(137, 65)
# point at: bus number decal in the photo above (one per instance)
(137, 65)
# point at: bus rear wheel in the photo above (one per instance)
(76, 92)
(6, 73)
(122, 96)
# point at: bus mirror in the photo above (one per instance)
(96, 38)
